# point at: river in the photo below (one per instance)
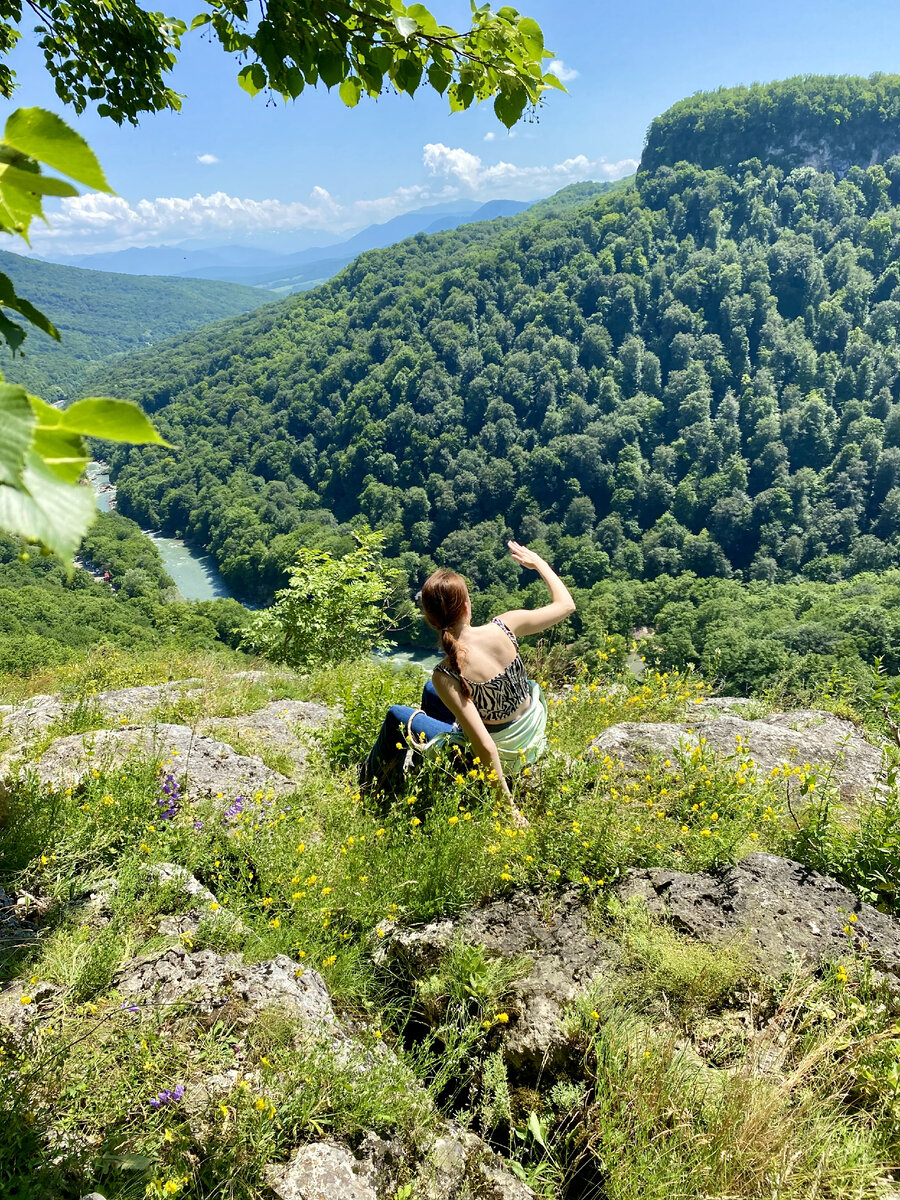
(198, 578)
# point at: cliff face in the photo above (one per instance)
(830, 123)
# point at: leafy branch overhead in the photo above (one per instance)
(120, 56)
(42, 448)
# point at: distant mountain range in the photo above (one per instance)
(101, 314)
(276, 271)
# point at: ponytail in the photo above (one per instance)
(444, 598)
(450, 646)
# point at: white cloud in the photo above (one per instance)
(94, 222)
(525, 182)
(207, 159)
(563, 73)
(490, 135)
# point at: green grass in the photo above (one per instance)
(665, 1096)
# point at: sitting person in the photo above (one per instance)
(493, 707)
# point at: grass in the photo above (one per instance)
(666, 1095)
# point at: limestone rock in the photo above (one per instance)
(786, 912)
(454, 1165)
(208, 767)
(565, 958)
(278, 726)
(802, 735)
(203, 909)
(15, 928)
(321, 1171)
(212, 980)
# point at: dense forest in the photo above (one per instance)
(830, 122)
(50, 616)
(699, 373)
(100, 314)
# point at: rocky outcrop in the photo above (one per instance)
(279, 726)
(206, 767)
(564, 957)
(785, 914)
(834, 747)
(210, 981)
(455, 1165)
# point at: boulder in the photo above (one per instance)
(565, 957)
(320, 1171)
(454, 1165)
(787, 914)
(206, 767)
(212, 980)
(278, 726)
(830, 744)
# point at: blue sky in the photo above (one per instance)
(231, 167)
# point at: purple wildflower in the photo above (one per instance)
(170, 797)
(132, 1008)
(234, 809)
(198, 825)
(168, 1097)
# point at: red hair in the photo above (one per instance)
(444, 600)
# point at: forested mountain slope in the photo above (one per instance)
(700, 374)
(101, 314)
(829, 122)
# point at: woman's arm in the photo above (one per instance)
(473, 727)
(523, 621)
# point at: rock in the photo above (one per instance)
(16, 1012)
(33, 717)
(788, 914)
(206, 907)
(14, 927)
(213, 980)
(454, 1165)
(276, 726)
(321, 1171)
(565, 958)
(803, 735)
(457, 1165)
(207, 767)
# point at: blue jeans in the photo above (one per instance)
(383, 769)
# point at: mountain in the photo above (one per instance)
(277, 271)
(100, 315)
(698, 373)
(829, 122)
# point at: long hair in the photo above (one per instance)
(444, 598)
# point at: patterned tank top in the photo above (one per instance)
(497, 699)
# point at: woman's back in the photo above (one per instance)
(489, 661)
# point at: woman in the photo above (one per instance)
(481, 688)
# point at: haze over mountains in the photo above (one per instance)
(276, 270)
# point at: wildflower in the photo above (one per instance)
(453, 820)
(329, 961)
(415, 821)
(25, 999)
(168, 1097)
(259, 1104)
(595, 1016)
(502, 1018)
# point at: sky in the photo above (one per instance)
(232, 168)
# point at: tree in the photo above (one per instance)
(120, 56)
(332, 610)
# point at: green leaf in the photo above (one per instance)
(536, 1130)
(47, 509)
(17, 422)
(25, 307)
(407, 75)
(63, 452)
(252, 79)
(406, 26)
(332, 67)
(112, 420)
(199, 20)
(45, 136)
(31, 181)
(554, 81)
(532, 35)
(439, 78)
(13, 334)
(509, 105)
(350, 91)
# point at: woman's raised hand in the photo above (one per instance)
(525, 557)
